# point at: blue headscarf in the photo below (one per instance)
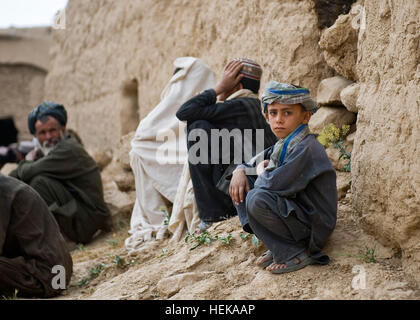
(287, 94)
(47, 108)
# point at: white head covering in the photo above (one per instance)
(159, 150)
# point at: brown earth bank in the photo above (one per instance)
(225, 268)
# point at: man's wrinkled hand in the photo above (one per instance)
(238, 185)
(230, 78)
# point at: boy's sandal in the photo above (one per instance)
(268, 259)
(291, 264)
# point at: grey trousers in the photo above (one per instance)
(282, 233)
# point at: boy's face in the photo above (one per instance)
(284, 118)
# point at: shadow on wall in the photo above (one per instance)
(328, 11)
(129, 112)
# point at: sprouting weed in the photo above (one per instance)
(225, 240)
(244, 236)
(119, 261)
(96, 270)
(369, 255)
(206, 238)
(167, 215)
(164, 252)
(84, 281)
(255, 240)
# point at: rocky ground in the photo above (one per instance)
(360, 268)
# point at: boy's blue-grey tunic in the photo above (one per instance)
(302, 192)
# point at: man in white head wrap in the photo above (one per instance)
(159, 151)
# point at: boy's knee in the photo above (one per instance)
(256, 201)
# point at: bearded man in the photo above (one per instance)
(64, 175)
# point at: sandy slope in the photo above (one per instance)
(164, 270)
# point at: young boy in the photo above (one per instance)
(291, 202)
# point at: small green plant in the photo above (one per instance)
(255, 240)
(81, 247)
(119, 261)
(225, 240)
(244, 236)
(164, 252)
(203, 238)
(167, 215)
(207, 238)
(84, 281)
(368, 255)
(96, 270)
(331, 136)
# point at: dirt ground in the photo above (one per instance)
(360, 268)
(224, 269)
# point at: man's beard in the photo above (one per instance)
(48, 145)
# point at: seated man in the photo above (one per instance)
(238, 110)
(30, 244)
(292, 202)
(64, 175)
(157, 162)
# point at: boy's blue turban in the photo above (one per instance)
(285, 93)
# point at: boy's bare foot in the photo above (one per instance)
(275, 266)
(265, 259)
(294, 264)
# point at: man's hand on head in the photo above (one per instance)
(230, 78)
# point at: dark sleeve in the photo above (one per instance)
(64, 162)
(204, 107)
(294, 175)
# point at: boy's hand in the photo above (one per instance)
(261, 166)
(230, 78)
(238, 185)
